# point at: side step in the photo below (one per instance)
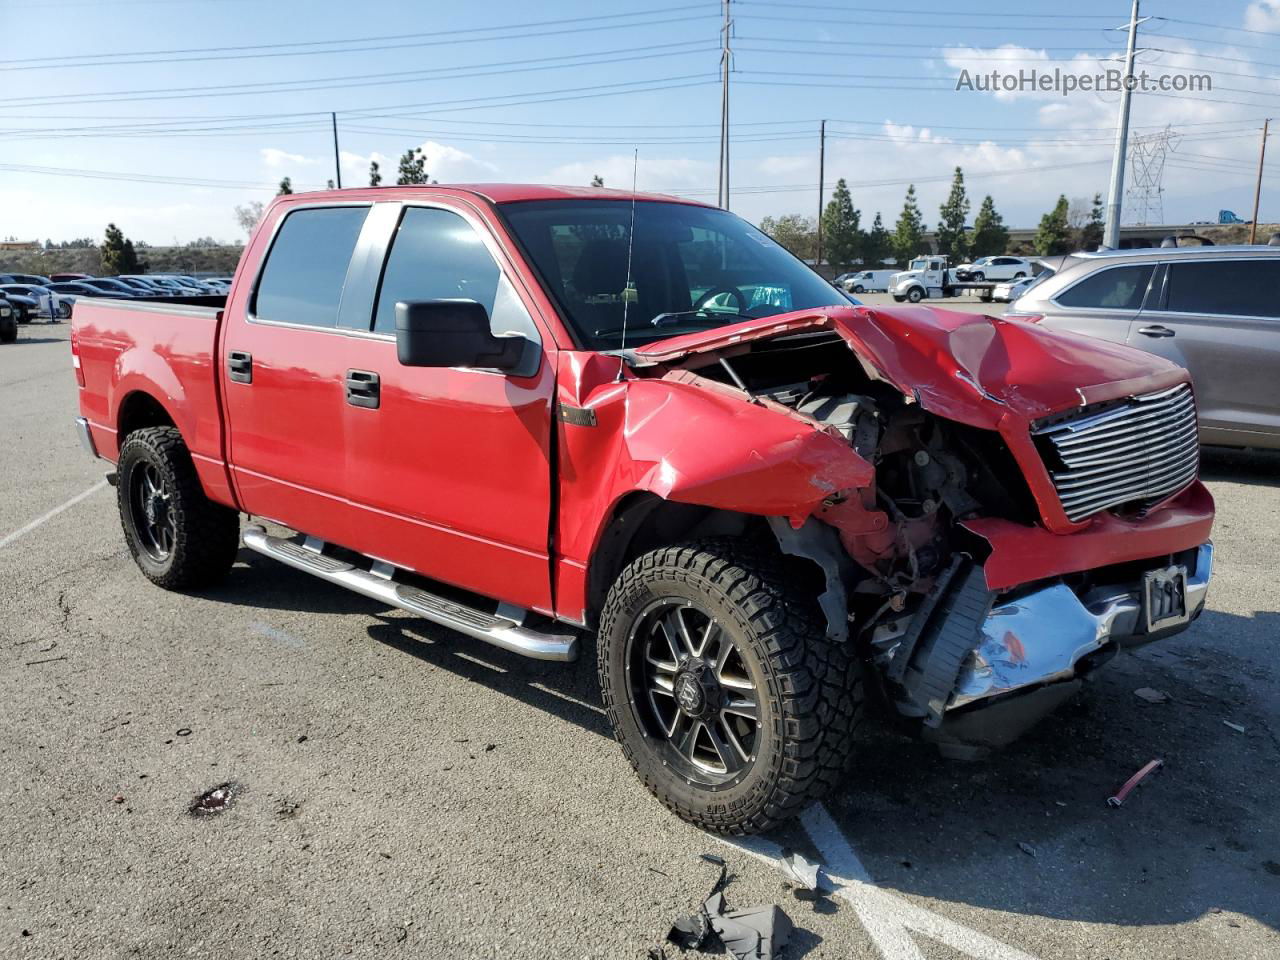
(497, 630)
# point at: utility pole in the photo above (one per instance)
(822, 161)
(725, 55)
(1257, 191)
(337, 165)
(1111, 233)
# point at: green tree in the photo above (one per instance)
(597, 181)
(413, 167)
(793, 231)
(951, 237)
(877, 245)
(1053, 236)
(908, 232)
(841, 229)
(990, 236)
(118, 255)
(286, 187)
(375, 175)
(1092, 232)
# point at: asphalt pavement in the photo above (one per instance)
(397, 790)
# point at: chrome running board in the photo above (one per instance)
(501, 631)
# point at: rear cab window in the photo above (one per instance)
(1111, 288)
(306, 269)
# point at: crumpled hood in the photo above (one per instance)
(963, 366)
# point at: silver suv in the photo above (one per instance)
(1214, 310)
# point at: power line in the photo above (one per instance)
(47, 63)
(362, 80)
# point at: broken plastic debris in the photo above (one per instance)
(804, 874)
(1238, 728)
(1027, 848)
(1151, 695)
(1133, 781)
(758, 933)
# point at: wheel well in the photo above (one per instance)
(141, 410)
(644, 522)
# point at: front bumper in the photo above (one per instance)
(1042, 636)
(979, 670)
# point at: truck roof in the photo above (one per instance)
(496, 193)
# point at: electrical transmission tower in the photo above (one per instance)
(1144, 197)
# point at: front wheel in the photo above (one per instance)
(8, 330)
(726, 696)
(859, 289)
(915, 294)
(1019, 275)
(978, 276)
(179, 537)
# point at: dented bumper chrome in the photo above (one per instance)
(1041, 637)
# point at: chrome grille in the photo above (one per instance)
(1132, 454)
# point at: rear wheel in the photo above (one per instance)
(726, 696)
(178, 536)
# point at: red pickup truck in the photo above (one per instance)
(538, 414)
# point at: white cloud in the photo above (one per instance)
(669, 174)
(276, 158)
(1263, 15)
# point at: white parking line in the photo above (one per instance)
(890, 920)
(23, 531)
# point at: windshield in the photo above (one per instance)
(919, 265)
(692, 268)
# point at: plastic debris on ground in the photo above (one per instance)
(1238, 728)
(1151, 695)
(756, 933)
(1120, 795)
(804, 875)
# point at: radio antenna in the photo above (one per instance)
(628, 291)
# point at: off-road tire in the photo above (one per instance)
(810, 688)
(207, 534)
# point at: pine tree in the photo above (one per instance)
(286, 187)
(990, 236)
(597, 181)
(413, 167)
(841, 229)
(328, 184)
(1053, 236)
(908, 232)
(117, 252)
(1095, 227)
(375, 175)
(951, 237)
(877, 245)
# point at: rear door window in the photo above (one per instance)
(1242, 288)
(1113, 288)
(307, 267)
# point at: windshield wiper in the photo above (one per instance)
(663, 319)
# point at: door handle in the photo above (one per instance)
(240, 366)
(364, 388)
(1155, 330)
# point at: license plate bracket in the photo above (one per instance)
(1164, 598)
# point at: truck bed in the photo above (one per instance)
(127, 349)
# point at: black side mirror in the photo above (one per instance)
(453, 333)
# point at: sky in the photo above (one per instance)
(164, 115)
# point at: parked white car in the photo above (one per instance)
(994, 268)
(1011, 291)
(868, 281)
